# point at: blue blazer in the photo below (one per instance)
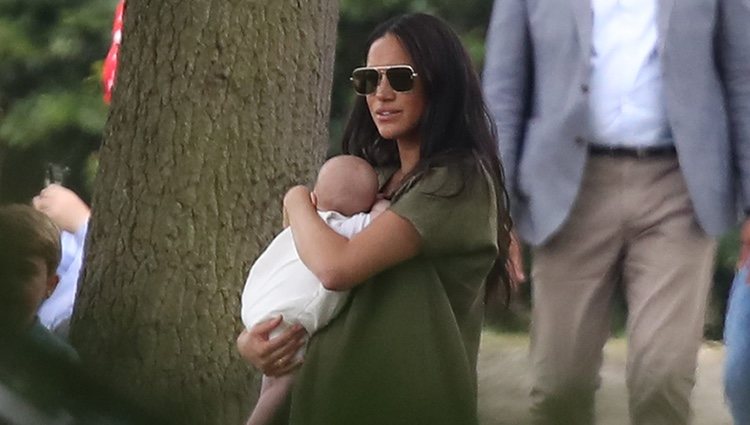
(536, 83)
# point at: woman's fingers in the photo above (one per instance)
(283, 368)
(248, 347)
(289, 338)
(243, 340)
(275, 356)
(253, 344)
(262, 329)
(287, 352)
(285, 347)
(285, 359)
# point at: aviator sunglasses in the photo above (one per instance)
(366, 79)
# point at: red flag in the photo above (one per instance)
(110, 63)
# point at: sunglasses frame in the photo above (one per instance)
(382, 71)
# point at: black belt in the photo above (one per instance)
(628, 152)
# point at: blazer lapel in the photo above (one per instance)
(664, 12)
(584, 16)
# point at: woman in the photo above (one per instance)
(404, 350)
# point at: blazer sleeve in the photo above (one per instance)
(733, 51)
(507, 80)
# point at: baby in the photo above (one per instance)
(279, 284)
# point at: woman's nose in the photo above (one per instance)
(384, 89)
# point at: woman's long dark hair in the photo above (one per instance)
(455, 125)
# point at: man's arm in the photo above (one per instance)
(733, 51)
(507, 80)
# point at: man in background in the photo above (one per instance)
(625, 133)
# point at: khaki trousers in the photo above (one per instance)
(632, 225)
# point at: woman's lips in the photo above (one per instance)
(387, 114)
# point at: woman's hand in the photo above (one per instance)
(274, 357)
(298, 196)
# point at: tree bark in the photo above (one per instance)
(219, 107)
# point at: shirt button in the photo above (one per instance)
(584, 88)
(580, 140)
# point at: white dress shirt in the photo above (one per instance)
(56, 311)
(626, 90)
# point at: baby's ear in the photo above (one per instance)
(314, 199)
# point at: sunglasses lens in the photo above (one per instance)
(400, 78)
(365, 81)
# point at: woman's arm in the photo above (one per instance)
(342, 263)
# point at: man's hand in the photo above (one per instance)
(744, 244)
(515, 262)
(63, 206)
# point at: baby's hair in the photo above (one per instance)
(346, 184)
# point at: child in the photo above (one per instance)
(41, 377)
(29, 255)
(279, 284)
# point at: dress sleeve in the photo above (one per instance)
(453, 210)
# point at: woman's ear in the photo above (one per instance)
(314, 199)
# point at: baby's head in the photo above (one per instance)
(346, 184)
(29, 255)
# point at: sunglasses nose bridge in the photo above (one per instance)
(383, 77)
(364, 84)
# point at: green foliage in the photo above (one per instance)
(50, 96)
(39, 117)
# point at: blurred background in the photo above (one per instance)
(52, 113)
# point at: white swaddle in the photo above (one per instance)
(280, 284)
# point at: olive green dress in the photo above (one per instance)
(404, 349)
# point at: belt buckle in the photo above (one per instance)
(641, 152)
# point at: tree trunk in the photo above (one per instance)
(219, 107)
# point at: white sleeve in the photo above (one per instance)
(350, 226)
(55, 311)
